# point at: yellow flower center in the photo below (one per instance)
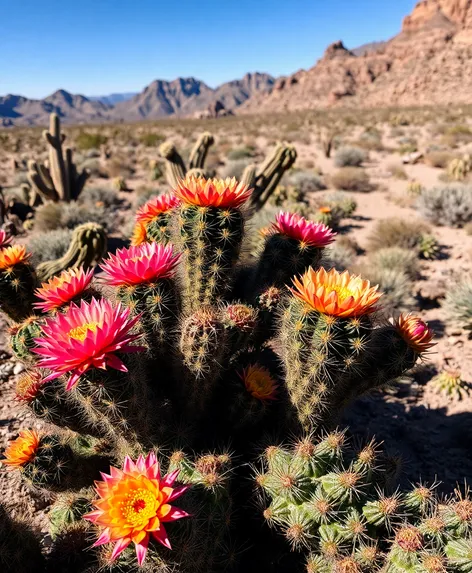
(342, 292)
(139, 507)
(135, 259)
(80, 332)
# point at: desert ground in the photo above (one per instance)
(430, 429)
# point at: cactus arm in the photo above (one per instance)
(175, 166)
(57, 165)
(249, 175)
(200, 150)
(40, 180)
(87, 247)
(271, 172)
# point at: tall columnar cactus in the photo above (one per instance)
(87, 247)
(191, 347)
(59, 179)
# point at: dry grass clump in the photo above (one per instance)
(398, 171)
(351, 179)
(349, 157)
(86, 140)
(396, 232)
(450, 205)
(49, 245)
(439, 159)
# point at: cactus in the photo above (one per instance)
(190, 347)
(459, 168)
(414, 188)
(17, 283)
(327, 499)
(175, 166)
(59, 180)
(87, 247)
(450, 383)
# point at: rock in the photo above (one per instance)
(412, 158)
(18, 368)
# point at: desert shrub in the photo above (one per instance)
(458, 303)
(341, 201)
(49, 245)
(450, 205)
(235, 168)
(99, 197)
(351, 179)
(285, 195)
(396, 232)
(370, 140)
(50, 216)
(397, 259)
(349, 157)
(414, 188)
(94, 166)
(339, 256)
(86, 140)
(439, 159)
(242, 152)
(396, 288)
(305, 182)
(151, 139)
(119, 167)
(397, 171)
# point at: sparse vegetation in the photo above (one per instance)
(351, 179)
(349, 157)
(449, 205)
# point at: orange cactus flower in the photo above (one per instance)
(11, 256)
(28, 386)
(224, 193)
(133, 505)
(325, 210)
(60, 290)
(415, 332)
(23, 449)
(259, 382)
(149, 213)
(336, 294)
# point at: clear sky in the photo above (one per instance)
(96, 47)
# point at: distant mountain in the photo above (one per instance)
(71, 108)
(181, 97)
(113, 99)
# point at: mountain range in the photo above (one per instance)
(429, 62)
(181, 97)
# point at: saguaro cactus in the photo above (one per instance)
(59, 180)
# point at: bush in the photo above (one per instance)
(450, 205)
(340, 256)
(242, 152)
(397, 259)
(439, 159)
(94, 166)
(395, 232)
(86, 140)
(397, 171)
(341, 201)
(52, 216)
(50, 245)
(351, 179)
(305, 182)
(99, 197)
(349, 157)
(235, 168)
(396, 288)
(152, 139)
(458, 303)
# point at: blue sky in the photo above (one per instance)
(96, 47)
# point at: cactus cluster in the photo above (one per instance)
(337, 504)
(164, 370)
(459, 168)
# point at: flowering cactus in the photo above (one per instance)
(180, 343)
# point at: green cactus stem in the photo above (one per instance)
(22, 338)
(200, 150)
(175, 166)
(87, 247)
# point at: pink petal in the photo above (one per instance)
(92, 516)
(169, 479)
(120, 546)
(161, 536)
(104, 538)
(178, 491)
(141, 550)
(174, 514)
